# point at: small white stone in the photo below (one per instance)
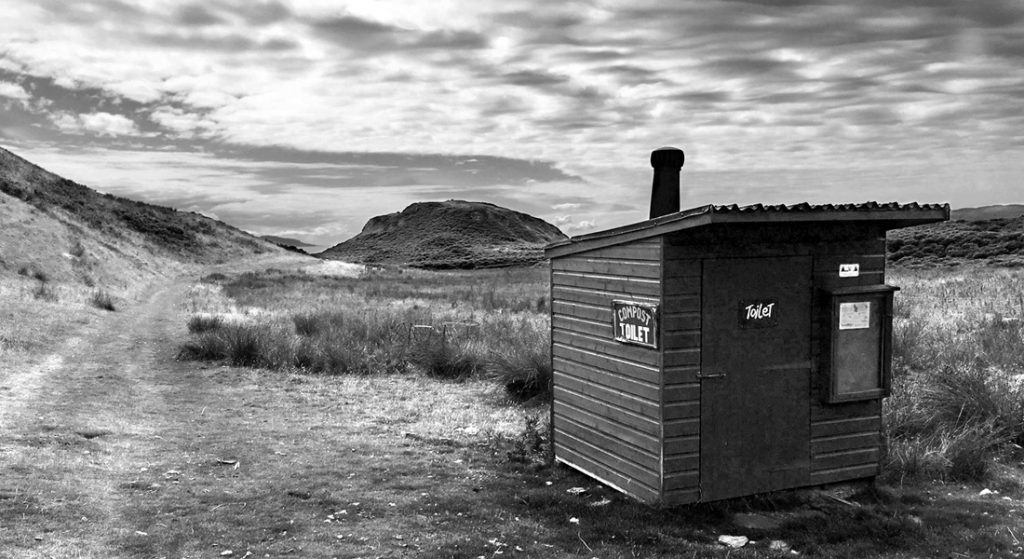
(733, 541)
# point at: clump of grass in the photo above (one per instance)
(957, 404)
(444, 360)
(197, 324)
(391, 321)
(312, 324)
(241, 345)
(102, 300)
(950, 424)
(43, 291)
(208, 346)
(969, 397)
(249, 345)
(77, 249)
(524, 371)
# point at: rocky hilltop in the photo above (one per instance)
(451, 234)
(57, 229)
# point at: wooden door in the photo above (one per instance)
(755, 376)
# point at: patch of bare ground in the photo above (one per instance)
(115, 449)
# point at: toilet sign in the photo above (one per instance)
(759, 313)
(635, 323)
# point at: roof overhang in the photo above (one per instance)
(889, 216)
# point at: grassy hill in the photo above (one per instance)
(285, 241)
(1000, 211)
(998, 242)
(62, 231)
(451, 234)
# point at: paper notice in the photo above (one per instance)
(854, 316)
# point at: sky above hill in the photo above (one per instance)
(306, 118)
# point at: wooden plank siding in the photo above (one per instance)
(607, 412)
(630, 416)
(845, 438)
(681, 337)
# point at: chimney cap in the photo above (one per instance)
(667, 157)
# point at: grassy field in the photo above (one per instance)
(957, 408)
(454, 325)
(956, 415)
(136, 447)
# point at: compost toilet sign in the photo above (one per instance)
(635, 323)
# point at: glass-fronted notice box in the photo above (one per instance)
(857, 361)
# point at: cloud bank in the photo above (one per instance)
(325, 111)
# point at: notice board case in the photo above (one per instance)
(857, 361)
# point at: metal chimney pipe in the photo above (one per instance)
(667, 161)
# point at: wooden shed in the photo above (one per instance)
(724, 351)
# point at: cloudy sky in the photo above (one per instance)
(306, 118)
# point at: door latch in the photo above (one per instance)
(718, 374)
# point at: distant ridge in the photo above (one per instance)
(995, 242)
(451, 234)
(64, 231)
(1001, 211)
(285, 241)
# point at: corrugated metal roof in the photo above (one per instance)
(805, 207)
(892, 214)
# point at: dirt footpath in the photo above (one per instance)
(78, 424)
(110, 447)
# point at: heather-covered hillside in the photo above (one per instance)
(998, 242)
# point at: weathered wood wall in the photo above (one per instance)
(607, 395)
(630, 416)
(681, 398)
(845, 438)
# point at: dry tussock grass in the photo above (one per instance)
(958, 386)
(446, 325)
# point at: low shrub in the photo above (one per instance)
(102, 300)
(531, 443)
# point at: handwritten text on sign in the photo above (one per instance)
(760, 313)
(635, 323)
